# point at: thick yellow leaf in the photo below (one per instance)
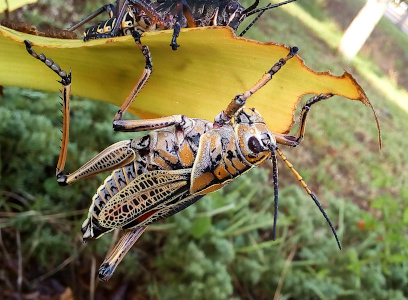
(198, 80)
(14, 4)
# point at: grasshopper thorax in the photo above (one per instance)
(254, 138)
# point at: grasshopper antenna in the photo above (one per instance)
(269, 6)
(275, 191)
(304, 186)
(253, 6)
(253, 22)
(261, 11)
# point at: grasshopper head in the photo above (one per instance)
(254, 138)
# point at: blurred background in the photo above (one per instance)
(221, 247)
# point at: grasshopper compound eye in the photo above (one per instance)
(254, 145)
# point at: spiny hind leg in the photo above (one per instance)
(113, 157)
(293, 141)
(66, 92)
(124, 152)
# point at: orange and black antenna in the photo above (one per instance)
(275, 178)
(252, 10)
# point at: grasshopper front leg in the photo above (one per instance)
(293, 141)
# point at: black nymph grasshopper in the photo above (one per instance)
(143, 15)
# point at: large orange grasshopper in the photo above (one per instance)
(181, 160)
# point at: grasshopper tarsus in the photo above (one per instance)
(105, 272)
(293, 51)
(61, 178)
(174, 46)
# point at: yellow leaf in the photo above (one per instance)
(14, 4)
(198, 80)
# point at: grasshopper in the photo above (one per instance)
(181, 160)
(144, 15)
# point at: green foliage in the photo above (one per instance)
(29, 139)
(219, 248)
(241, 251)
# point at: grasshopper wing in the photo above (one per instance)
(148, 198)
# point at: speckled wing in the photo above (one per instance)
(146, 199)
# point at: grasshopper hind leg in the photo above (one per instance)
(121, 152)
(66, 92)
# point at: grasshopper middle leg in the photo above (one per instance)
(240, 100)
